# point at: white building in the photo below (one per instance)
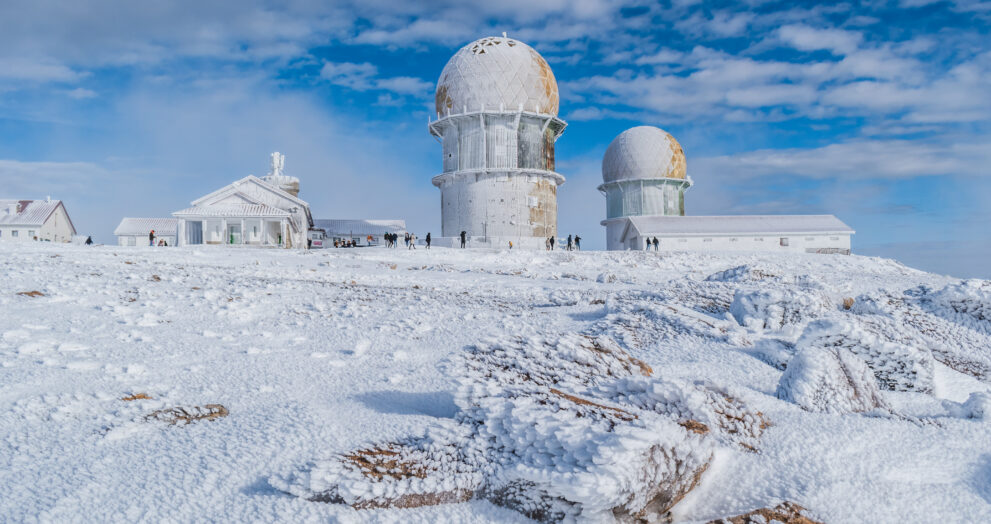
(644, 178)
(44, 220)
(784, 233)
(251, 211)
(359, 231)
(134, 231)
(497, 105)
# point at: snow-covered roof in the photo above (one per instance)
(360, 227)
(232, 210)
(741, 225)
(142, 226)
(251, 179)
(26, 212)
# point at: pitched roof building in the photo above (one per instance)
(45, 220)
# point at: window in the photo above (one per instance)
(733, 240)
(810, 238)
(13, 233)
(31, 233)
(706, 240)
(682, 240)
(784, 241)
(834, 238)
(758, 239)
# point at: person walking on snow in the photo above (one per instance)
(412, 241)
(463, 235)
(656, 243)
(578, 242)
(648, 244)
(552, 243)
(569, 243)
(151, 238)
(428, 240)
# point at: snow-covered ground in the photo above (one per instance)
(317, 354)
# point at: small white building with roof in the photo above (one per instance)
(357, 230)
(135, 231)
(254, 211)
(42, 220)
(644, 179)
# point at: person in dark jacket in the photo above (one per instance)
(578, 242)
(464, 236)
(151, 238)
(570, 243)
(89, 241)
(428, 240)
(648, 244)
(552, 243)
(656, 243)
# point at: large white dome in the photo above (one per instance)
(643, 152)
(497, 71)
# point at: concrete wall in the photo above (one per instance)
(499, 204)
(499, 181)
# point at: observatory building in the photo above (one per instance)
(644, 178)
(497, 105)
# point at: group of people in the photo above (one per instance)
(345, 243)
(151, 240)
(409, 239)
(574, 243)
(653, 241)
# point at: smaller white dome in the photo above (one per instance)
(642, 153)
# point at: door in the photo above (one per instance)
(234, 233)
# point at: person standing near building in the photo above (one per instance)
(463, 237)
(570, 244)
(151, 238)
(428, 239)
(656, 243)
(552, 243)
(648, 244)
(578, 242)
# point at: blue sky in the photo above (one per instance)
(878, 112)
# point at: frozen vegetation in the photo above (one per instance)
(211, 384)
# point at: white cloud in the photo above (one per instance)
(81, 93)
(858, 160)
(364, 76)
(806, 38)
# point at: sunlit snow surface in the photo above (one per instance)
(322, 352)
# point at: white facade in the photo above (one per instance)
(771, 233)
(135, 231)
(251, 211)
(35, 220)
(497, 103)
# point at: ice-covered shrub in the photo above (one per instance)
(897, 366)
(563, 429)
(968, 302)
(774, 308)
(830, 380)
(741, 274)
(978, 405)
(436, 469)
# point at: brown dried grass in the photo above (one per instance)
(786, 512)
(136, 396)
(33, 294)
(617, 412)
(847, 303)
(181, 415)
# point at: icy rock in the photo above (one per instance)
(830, 380)
(978, 406)
(897, 366)
(774, 309)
